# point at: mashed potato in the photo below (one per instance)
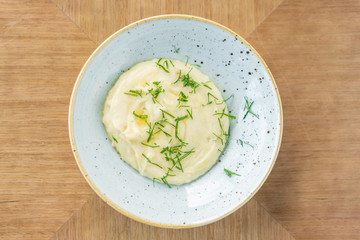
(167, 120)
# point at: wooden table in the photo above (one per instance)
(313, 50)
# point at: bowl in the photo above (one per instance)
(254, 142)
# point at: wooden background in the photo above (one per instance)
(313, 50)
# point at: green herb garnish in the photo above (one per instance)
(209, 94)
(224, 114)
(230, 173)
(187, 153)
(161, 66)
(167, 134)
(180, 168)
(232, 95)
(140, 116)
(206, 104)
(218, 137)
(163, 179)
(181, 118)
(176, 130)
(178, 77)
(134, 93)
(166, 121)
(190, 113)
(189, 82)
(150, 131)
(151, 161)
(167, 113)
(248, 108)
(187, 59)
(154, 178)
(176, 49)
(156, 83)
(182, 97)
(155, 92)
(205, 85)
(171, 63)
(154, 146)
(243, 142)
(222, 129)
(115, 139)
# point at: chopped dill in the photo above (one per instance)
(140, 116)
(178, 77)
(232, 95)
(243, 142)
(115, 139)
(167, 134)
(151, 161)
(230, 173)
(165, 182)
(181, 118)
(224, 114)
(182, 97)
(209, 94)
(176, 49)
(155, 93)
(190, 113)
(150, 131)
(205, 85)
(154, 146)
(134, 93)
(189, 82)
(248, 108)
(161, 66)
(167, 113)
(154, 178)
(222, 129)
(218, 137)
(207, 104)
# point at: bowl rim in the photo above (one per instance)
(72, 140)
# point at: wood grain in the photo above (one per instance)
(313, 50)
(96, 220)
(100, 18)
(41, 52)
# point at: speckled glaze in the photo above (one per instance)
(234, 66)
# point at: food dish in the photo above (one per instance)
(236, 69)
(154, 116)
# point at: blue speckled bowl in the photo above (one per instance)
(234, 66)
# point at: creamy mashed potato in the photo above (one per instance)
(167, 120)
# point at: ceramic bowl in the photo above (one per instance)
(235, 67)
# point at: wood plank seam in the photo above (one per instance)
(276, 220)
(74, 213)
(265, 19)
(82, 30)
